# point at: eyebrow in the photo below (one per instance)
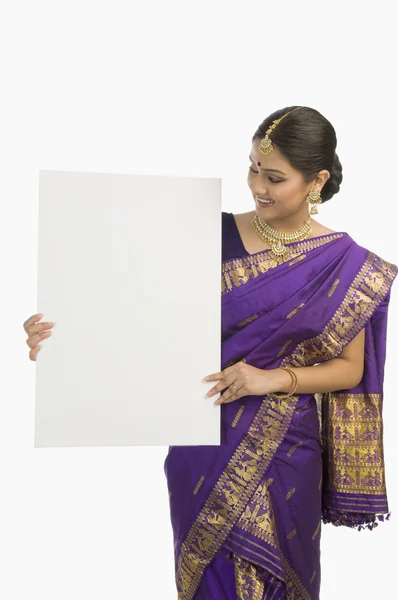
(274, 170)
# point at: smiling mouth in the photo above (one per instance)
(264, 202)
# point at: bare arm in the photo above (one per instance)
(341, 373)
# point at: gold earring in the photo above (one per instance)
(314, 198)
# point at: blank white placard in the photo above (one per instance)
(129, 267)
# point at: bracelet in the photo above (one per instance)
(294, 388)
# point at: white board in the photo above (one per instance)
(129, 267)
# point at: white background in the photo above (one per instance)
(171, 88)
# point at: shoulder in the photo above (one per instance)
(375, 271)
(319, 229)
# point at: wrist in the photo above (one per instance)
(282, 381)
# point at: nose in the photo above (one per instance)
(262, 193)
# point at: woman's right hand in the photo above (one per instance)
(36, 333)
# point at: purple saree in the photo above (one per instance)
(247, 515)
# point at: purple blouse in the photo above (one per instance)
(232, 245)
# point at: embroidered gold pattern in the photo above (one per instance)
(293, 448)
(295, 311)
(258, 516)
(215, 521)
(290, 494)
(293, 581)
(248, 586)
(317, 530)
(237, 272)
(355, 443)
(267, 553)
(313, 577)
(343, 327)
(367, 290)
(358, 502)
(295, 587)
(236, 485)
(199, 485)
(281, 351)
(266, 558)
(298, 259)
(291, 534)
(248, 320)
(333, 288)
(238, 416)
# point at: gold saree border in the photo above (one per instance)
(355, 455)
(366, 292)
(232, 491)
(250, 460)
(247, 583)
(293, 582)
(239, 271)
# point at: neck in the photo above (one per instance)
(290, 223)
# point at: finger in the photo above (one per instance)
(31, 320)
(39, 327)
(33, 340)
(224, 383)
(214, 376)
(231, 395)
(220, 375)
(33, 353)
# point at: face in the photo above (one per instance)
(272, 178)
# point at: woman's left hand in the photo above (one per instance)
(242, 380)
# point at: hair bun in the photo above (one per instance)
(332, 186)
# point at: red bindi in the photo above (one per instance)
(259, 164)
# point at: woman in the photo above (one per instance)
(247, 514)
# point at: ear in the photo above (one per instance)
(321, 178)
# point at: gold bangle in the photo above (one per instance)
(294, 387)
(295, 380)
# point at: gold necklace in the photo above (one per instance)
(277, 239)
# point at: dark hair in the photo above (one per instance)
(308, 141)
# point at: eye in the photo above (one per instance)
(270, 178)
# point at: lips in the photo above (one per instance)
(264, 201)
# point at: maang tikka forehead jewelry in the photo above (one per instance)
(266, 146)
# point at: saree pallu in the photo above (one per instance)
(247, 515)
